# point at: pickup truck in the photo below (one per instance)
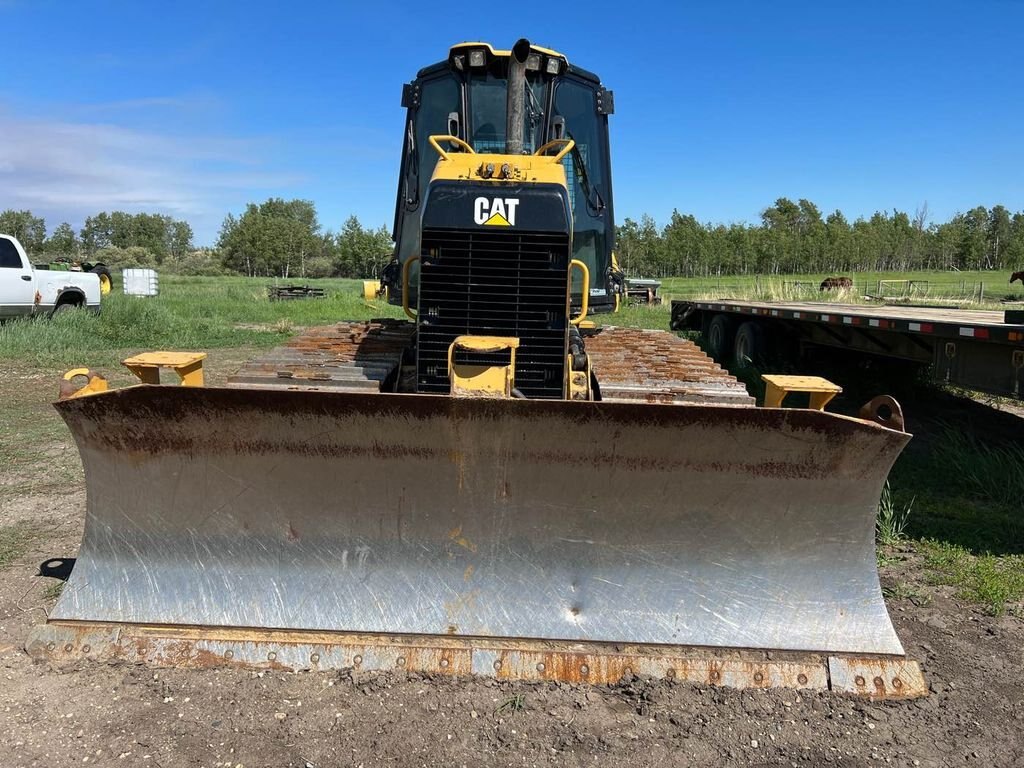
(26, 291)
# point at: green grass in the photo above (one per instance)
(52, 591)
(995, 582)
(511, 705)
(945, 289)
(988, 472)
(191, 313)
(961, 496)
(965, 492)
(35, 452)
(892, 518)
(961, 287)
(639, 316)
(14, 541)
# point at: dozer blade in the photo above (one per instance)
(513, 538)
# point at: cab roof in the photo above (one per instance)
(497, 53)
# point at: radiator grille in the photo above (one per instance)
(498, 284)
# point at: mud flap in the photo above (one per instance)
(475, 522)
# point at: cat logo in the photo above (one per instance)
(496, 212)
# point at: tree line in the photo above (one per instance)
(276, 238)
(794, 237)
(160, 236)
(285, 238)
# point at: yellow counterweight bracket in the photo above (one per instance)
(187, 365)
(778, 386)
(482, 380)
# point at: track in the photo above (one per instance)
(631, 364)
(347, 357)
(634, 364)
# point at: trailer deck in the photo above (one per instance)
(979, 349)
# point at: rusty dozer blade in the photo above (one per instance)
(516, 538)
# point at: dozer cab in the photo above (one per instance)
(494, 486)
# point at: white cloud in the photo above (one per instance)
(66, 170)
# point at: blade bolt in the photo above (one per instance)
(584, 670)
(229, 654)
(315, 658)
(444, 663)
(506, 170)
(86, 648)
(879, 682)
(540, 667)
(671, 673)
(858, 680)
(69, 648)
(897, 683)
(714, 675)
(271, 656)
(50, 646)
(401, 661)
(357, 660)
(496, 665)
(758, 677)
(801, 678)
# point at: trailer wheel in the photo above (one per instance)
(720, 337)
(106, 281)
(749, 348)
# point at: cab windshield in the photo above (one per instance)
(488, 111)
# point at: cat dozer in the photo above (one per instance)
(494, 486)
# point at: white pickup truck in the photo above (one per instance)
(26, 291)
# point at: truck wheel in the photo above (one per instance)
(749, 348)
(720, 337)
(106, 281)
(60, 309)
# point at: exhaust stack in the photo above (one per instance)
(516, 97)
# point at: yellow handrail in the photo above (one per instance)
(586, 289)
(405, 286)
(569, 144)
(454, 140)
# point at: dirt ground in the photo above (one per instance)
(131, 715)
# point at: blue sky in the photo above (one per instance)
(194, 109)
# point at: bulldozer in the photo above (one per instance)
(496, 485)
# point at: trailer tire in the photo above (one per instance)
(749, 346)
(106, 280)
(719, 338)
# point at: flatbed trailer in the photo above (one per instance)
(977, 349)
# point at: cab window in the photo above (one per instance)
(584, 171)
(9, 257)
